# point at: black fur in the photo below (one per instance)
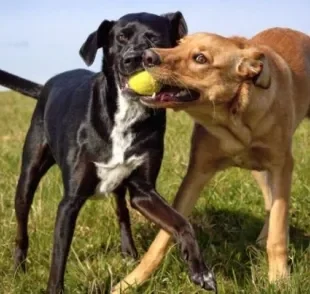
(20, 85)
(73, 125)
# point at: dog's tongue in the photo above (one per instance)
(167, 93)
(165, 96)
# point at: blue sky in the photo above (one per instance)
(40, 38)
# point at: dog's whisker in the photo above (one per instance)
(213, 112)
(151, 43)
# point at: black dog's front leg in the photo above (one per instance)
(145, 199)
(67, 213)
(127, 242)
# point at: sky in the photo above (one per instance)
(40, 38)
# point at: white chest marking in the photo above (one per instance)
(113, 172)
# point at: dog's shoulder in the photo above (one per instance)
(71, 77)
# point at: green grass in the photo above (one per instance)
(227, 219)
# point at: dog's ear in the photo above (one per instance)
(94, 41)
(256, 68)
(177, 24)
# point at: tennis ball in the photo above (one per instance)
(144, 84)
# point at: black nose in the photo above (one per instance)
(150, 58)
(132, 59)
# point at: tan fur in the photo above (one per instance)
(253, 95)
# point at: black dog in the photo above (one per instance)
(103, 139)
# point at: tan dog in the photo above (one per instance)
(247, 98)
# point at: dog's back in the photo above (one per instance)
(294, 48)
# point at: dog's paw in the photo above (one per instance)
(205, 280)
(278, 274)
(20, 260)
(129, 250)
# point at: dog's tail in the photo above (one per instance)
(20, 85)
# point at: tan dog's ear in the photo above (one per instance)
(256, 68)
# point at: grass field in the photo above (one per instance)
(227, 219)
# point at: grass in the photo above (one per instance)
(227, 219)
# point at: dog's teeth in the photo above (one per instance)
(181, 93)
(154, 94)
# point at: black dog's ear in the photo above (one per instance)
(96, 40)
(178, 25)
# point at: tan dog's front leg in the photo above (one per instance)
(200, 171)
(277, 241)
(263, 179)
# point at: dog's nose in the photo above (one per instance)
(132, 59)
(150, 58)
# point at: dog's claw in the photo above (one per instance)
(205, 280)
(129, 249)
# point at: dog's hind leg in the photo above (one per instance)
(264, 182)
(36, 160)
(79, 183)
(127, 242)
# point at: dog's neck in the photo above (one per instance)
(224, 120)
(239, 118)
(129, 110)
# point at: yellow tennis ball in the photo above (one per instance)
(144, 84)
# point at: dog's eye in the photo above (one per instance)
(154, 39)
(200, 58)
(151, 38)
(121, 37)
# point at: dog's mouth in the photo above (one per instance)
(170, 95)
(123, 82)
(125, 89)
(167, 96)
